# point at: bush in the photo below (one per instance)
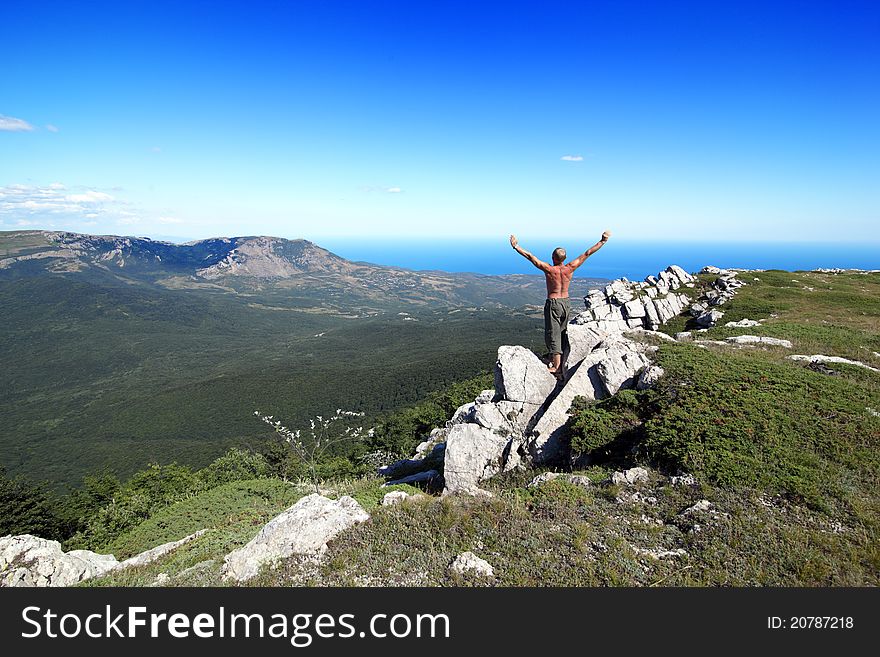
(235, 465)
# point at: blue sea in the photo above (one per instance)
(632, 259)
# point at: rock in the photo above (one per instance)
(709, 318)
(629, 477)
(832, 359)
(682, 275)
(701, 506)
(743, 323)
(684, 480)
(649, 377)
(485, 397)
(709, 269)
(394, 497)
(30, 561)
(683, 336)
(634, 309)
(521, 376)
(755, 339)
(461, 414)
(517, 414)
(416, 478)
(162, 579)
(580, 480)
(620, 366)
(543, 478)
(304, 528)
(159, 551)
(665, 337)
(473, 454)
(406, 467)
(469, 563)
(582, 340)
(489, 416)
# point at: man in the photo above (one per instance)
(557, 309)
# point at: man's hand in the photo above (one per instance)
(605, 235)
(513, 241)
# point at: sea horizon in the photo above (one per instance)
(633, 259)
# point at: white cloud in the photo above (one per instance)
(572, 158)
(90, 196)
(55, 200)
(11, 124)
(394, 190)
(156, 149)
(51, 128)
(169, 220)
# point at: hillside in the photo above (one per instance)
(740, 465)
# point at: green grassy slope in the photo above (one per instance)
(100, 376)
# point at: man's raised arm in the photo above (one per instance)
(543, 266)
(577, 262)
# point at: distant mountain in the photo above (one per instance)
(296, 271)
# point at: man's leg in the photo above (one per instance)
(554, 343)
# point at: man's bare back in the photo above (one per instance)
(558, 278)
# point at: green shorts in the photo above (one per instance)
(556, 316)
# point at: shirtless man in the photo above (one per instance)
(557, 309)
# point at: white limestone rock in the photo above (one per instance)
(649, 377)
(759, 339)
(304, 528)
(473, 454)
(394, 497)
(629, 477)
(30, 561)
(469, 563)
(521, 376)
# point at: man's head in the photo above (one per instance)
(558, 255)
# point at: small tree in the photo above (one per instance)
(312, 445)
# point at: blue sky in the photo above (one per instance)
(683, 121)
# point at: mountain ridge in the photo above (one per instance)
(273, 266)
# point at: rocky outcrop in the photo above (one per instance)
(304, 529)
(647, 304)
(27, 560)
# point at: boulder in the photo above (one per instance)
(709, 318)
(521, 376)
(394, 497)
(629, 477)
(304, 528)
(30, 561)
(743, 323)
(582, 340)
(649, 377)
(469, 563)
(634, 309)
(416, 478)
(759, 339)
(473, 454)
